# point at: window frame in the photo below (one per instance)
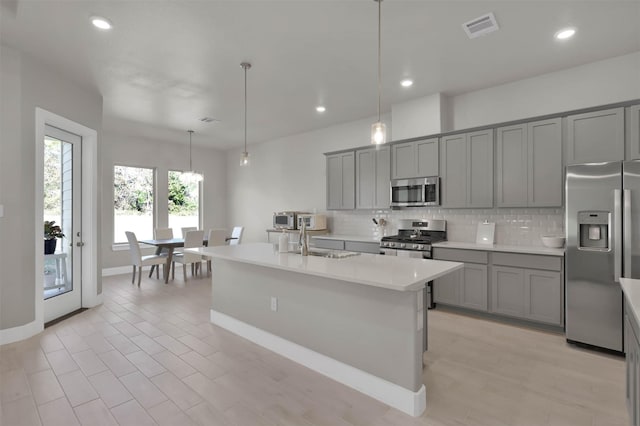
(154, 205)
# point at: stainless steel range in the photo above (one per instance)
(414, 239)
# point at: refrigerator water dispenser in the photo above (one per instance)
(594, 230)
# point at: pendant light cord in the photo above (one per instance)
(245, 108)
(379, 54)
(190, 134)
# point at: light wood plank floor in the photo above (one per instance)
(150, 356)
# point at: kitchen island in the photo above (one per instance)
(357, 319)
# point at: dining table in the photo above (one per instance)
(170, 245)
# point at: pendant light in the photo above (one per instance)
(379, 129)
(244, 158)
(191, 175)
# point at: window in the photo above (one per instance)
(132, 202)
(184, 202)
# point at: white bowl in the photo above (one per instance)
(552, 241)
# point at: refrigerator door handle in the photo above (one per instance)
(617, 234)
(626, 228)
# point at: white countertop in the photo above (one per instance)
(358, 238)
(501, 247)
(390, 272)
(631, 289)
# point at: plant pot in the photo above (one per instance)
(50, 246)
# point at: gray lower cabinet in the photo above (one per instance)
(334, 244)
(507, 291)
(466, 168)
(632, 354)
(473, 290)
(372, 178)
(595, 136)
(341, 181)
(415, 159)
(447, 289)
(466, 287)
(517, 285)
(529, 164)
(633, 132)
(527, 293)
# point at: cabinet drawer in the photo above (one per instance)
(362, 247)
(531, 261)
(328, 244)
(457, 255)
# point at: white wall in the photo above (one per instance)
(24, 85)
(418, 117)
(126, 150)
(598, 83)
(289, 173)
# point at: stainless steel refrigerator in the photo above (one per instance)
(603, 244)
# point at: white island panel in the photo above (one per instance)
(359, 320)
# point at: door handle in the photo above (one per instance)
(626, 227)
(617, 235)
(79, 244)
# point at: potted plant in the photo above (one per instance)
(51, 232)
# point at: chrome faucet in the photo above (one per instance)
(303, 241)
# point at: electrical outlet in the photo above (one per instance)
(274, 304)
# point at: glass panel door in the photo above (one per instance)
(62, 227)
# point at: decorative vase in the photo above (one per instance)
(50, 246)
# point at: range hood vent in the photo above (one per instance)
(480, 26)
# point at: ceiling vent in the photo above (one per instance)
(480, 26)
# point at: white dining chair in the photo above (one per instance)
(217, 237)
(161, 234)
(192, 239)
(138, 260)
(236, 235)
(188, 229)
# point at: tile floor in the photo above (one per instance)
(150, 356)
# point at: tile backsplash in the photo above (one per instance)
(513, 226)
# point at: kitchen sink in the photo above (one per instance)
(332, 254)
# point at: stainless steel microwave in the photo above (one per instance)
(418, 192)
(285, 220)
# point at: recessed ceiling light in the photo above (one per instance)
(406, 83)
(102, 23)
(565, 33)
(320, 108)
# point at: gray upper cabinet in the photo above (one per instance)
(595, 136)
(341, 181)
(633, 132)
(511, 173)
(544, 163)
(414, 159)
(529, 169)
(372, 178)
(467, 169)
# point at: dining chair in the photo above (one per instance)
(188, 229)
(236, 235)
(138, 260)
(161, 234)
(191, 240)
(217, 237)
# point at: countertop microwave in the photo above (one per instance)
(313, 222)
(418, 192)
(285, 220)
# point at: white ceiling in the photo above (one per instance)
(168, 63)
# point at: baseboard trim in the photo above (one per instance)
(22, 332)
(405, 400)
(118, 270)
